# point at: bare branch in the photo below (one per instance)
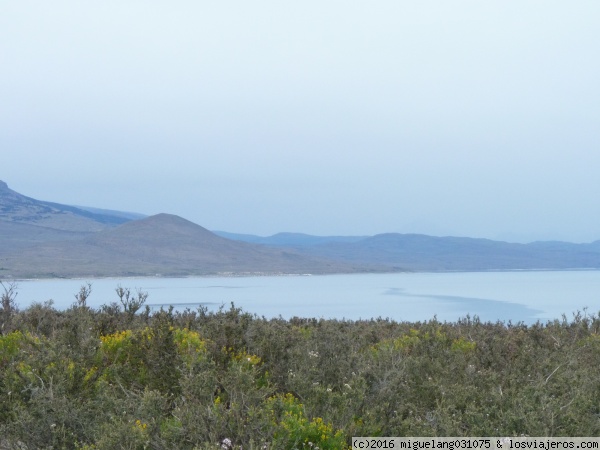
(84, 292)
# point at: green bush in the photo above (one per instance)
(108, 378)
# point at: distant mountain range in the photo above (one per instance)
(417, 252)
(46, 239)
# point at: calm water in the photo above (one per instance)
(516, 296)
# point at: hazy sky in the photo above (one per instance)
(469, 118)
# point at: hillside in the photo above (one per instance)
(18, 208)
(164, 245)
(18, 236)
(27, 222)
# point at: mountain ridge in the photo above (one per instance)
(16, 207)
(419, 252)
(46, 239)
(160, 245)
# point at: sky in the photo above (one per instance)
(463, 118)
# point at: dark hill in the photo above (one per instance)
(159, 245)
(18, 208)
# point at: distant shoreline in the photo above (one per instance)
(280, 274)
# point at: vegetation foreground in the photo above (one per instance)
(125, 377)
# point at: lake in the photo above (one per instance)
(516, 296)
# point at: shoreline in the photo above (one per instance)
(283, 274)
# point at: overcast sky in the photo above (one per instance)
(468, 118)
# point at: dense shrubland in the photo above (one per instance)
(125, 377)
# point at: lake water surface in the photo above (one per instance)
(516, 296)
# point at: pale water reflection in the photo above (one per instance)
(492, 296)
(488, 309)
